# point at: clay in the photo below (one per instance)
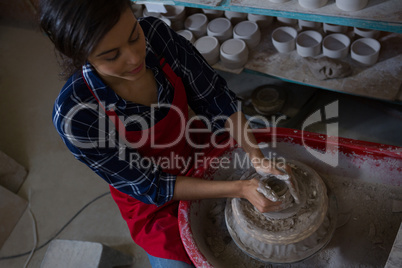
(301, 231)
(326, 68)
(359, 202)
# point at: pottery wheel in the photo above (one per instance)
(292, 234)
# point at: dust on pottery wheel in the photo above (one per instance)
(289, 239)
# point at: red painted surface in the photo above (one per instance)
(357, 151)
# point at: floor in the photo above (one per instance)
(58, 186)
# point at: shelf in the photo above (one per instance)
(383, 15)
(380, 81)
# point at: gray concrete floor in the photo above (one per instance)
(58, 186)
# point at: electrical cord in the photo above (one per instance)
(61, 230)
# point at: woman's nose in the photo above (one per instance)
(132, 55)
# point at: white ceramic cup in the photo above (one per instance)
(138, 10)
(286, 21)
(146, 13)
(235, 17)
(177, 15)
(263, 21)
(248, 31)
(306, 24)
(167, 21)
(351, 5)
(197, 23)
(234, 53)
(208, 46)
(312, 4)
(188, 35)
(221, 28)
(334, 28)
(213, 13)
(361, 32)
(284, 39)
(365, 50)
(336, 46)
(278, 1)
(308, 43)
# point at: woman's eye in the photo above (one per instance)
(135, 38)
(114, 58)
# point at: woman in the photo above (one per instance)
(143, 76)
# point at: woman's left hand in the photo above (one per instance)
(281, 170)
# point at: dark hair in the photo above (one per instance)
(77, 26)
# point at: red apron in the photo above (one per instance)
(153, 228)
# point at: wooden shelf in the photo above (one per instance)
(380, 81)
(383, 15)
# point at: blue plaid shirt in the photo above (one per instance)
(91, 137)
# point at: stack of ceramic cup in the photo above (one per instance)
(351, 5)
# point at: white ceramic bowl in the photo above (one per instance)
(286, 21)
(188, 35)
(138, 10)
(167, 21)
(308, 43)
(208, 46)
(197, 23)
(365, 50)
(248, 31)
(306, 24)
(312, 4)
(221, 28)
(351, 5)
(234, 53)
(336, 46)
(361, 32)
(213, 13)
(174, 12)
(284, 39)
(334, 28)
(263, 21)
(146, 13)
(235, 17)
(177, 15)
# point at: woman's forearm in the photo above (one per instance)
(188, 188)
(239, 129)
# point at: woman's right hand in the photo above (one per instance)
(260, 202)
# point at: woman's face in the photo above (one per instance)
(120, 55)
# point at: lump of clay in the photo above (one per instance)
(327, 68)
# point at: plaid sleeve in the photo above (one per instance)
(207, 92)
(83, 128)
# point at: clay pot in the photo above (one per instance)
(188, 35)
(351, 5)
(197, 24)
(234, 53)
(248, 31)
(284, 39)
(336, 46)
(208, 46)
(312, 4)
(365, 50)
(308, 43)
(221, 28)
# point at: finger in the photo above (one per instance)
(267, 192)
(271, 208)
